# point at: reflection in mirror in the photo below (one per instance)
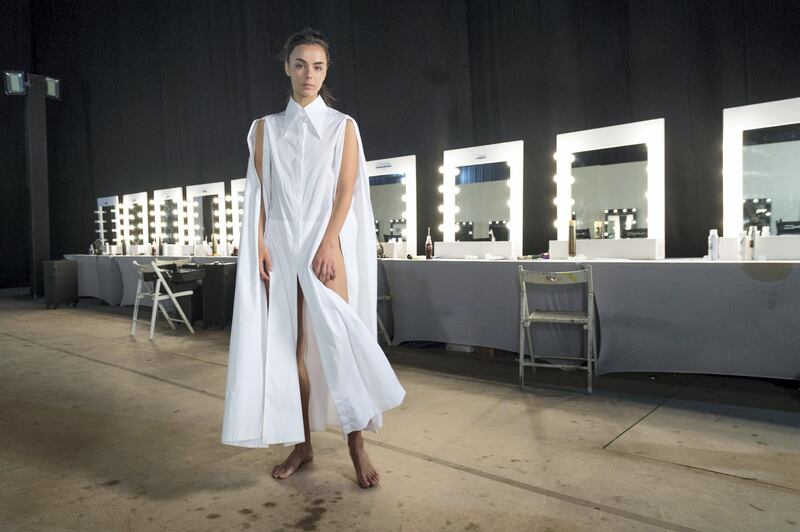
(206, 206)
(134, 218)
(482, 201)
(605, 180)
(135, 223)
(168, 216)
(109, 217)
(770, 168)
(206, 212)
(387, 192)
(393, 194)
(108, 221)
(169, 222)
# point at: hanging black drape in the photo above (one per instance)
(161, 94)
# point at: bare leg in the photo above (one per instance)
(302, 452)
(366, 475)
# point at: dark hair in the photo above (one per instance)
(309, 36)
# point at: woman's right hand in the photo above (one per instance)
(264, 262)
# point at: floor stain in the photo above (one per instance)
(269, 504)
(111, 483)
(309, 522)
(213, 516)
(245, 511)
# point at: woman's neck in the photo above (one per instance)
(301, 100)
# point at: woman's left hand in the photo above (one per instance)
(323, 263)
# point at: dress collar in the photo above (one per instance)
(315, 111)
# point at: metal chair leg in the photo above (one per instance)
(136, 307)
(521, 356)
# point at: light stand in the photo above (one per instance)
(36, 89)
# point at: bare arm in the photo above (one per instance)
(323, 262)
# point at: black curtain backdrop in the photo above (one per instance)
(161, 94)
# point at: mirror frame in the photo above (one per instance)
(110, 201)
(649, 132)
(735, 121)
(208, 189)
(406, 164)
(237, 185)
(511, 153)
(137, 198)
(175, 194)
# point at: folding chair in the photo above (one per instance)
(157, 297)
(584, 318)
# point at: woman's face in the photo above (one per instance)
(307, 67)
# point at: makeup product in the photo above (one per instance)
(428, 245)
(713, 244)
(752, 236)
(572, 239)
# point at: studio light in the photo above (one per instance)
(53, 88)
(15, 83)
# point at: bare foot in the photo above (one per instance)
(301, 454)
(366, 475)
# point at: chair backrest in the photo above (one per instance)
(142, 268)
(163, 282)
(555, 278)
(572, 277)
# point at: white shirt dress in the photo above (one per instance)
(351, 381)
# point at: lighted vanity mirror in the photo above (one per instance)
(761, 168)
(134, 218)
(206, 213)
(483, 198)
(168, 215)
(107, 220)
(482, 193)
(611, 181)
(393, 193)
(609, 192)
(236, 209)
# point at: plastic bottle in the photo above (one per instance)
(752, 236)
(713, 245)
(572, 244)
(428, 245)
(743, 245)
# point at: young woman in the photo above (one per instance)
(303, 351)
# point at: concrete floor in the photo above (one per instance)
(102, 431)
